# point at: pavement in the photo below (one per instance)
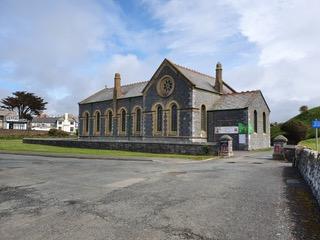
(245, 197)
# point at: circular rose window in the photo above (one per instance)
(165, 86)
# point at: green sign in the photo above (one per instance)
(244, 128)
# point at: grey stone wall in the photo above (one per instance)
(182, 94)
(224, 118)
(128, 103)
(142, 146)
(260, 139)
(201, 97)
(308, 163)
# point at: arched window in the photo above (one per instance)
(174, 118)
(159, 118)
(255, 121)
(86, 123)
(123, 120)
(108, 122)
(97, 121)
(203, 118)
(264, 122)
(138, 120)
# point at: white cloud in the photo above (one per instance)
(65, 50)
(287, 35)
(48, 42)
(194, 27)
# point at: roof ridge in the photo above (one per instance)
(242, 92)
(192, 70)
(130, 84)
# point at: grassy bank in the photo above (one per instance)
(310, 143)
(14, 145)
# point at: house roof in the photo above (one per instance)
(6, 112)
(237, 100)
(130, 90)
(70, 118)
(45, 120)
(199, 80)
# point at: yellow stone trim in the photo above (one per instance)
(119, 120)
(154, 120)
(95, 132)
(134, 120)
(169, 114)
(106, 120)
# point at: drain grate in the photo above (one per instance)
(176, 173)
(293, 181)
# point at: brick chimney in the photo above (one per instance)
(117, 86)
(219, 83)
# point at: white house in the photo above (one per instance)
(10, 120)
(68, 123)
(44, 123)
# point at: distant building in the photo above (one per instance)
(67, 123)
(10, 120)
(44, 123)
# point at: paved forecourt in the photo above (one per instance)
(245, 197)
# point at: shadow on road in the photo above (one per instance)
(304, 209)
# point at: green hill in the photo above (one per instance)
(305, 117)
(308, 116)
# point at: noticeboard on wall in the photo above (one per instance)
(226, 130)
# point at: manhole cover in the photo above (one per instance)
(231, 162)
(293, 181)
(257, 163)
(72, 202)
(176, 173)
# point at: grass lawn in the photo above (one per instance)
(310, 143)
(14, 145)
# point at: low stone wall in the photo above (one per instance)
(14, 133)
(151, 147)
(308, 163)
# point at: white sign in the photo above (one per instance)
(242, 138)
(226, 130)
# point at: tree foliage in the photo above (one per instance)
(26, 104)
(295, 131)
(303, 109)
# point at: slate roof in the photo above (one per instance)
(237, 100)
(199, 80)
(6, 112)
(70, 118)
(130, 90)
(45, 120)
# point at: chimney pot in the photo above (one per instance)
(117, 86)
(219, 83)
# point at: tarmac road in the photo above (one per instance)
(245, 197)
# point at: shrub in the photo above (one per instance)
(276, 130)
(205, 149)
(295, 131)
(57, 133)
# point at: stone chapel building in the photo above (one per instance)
(177, 105)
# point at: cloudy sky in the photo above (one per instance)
(64, 50)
